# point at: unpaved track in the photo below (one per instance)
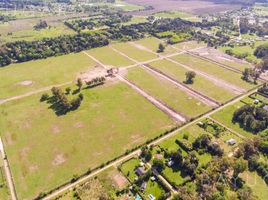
(8, 175)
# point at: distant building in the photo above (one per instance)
(265, 107)
(143, 186)
(231, 142)
(140, 171)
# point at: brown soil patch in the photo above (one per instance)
(55, 129)
(59, 159)
(25, 83)
(97, 71)
(120, 181)
(78, 125)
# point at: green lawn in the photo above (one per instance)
(42, 73)
(213, 69)
(256, 183)
(45, 148)
(200, 84)
(167, 92)
(153, 43)
(109, 57)
(4, 193)
(175, 176)
(225, 116)
(134, 52)
(32, 35)
(154, 189)
(128, 168)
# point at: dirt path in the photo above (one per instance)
(8, 175)
(32, 93)
(136, 152)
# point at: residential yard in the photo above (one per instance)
(152, 43)
(109, 57)
(153, 188)
(213, 69)
(225, 117)
(128, 168)
(29, 76)
(167, 92)
(133, 52)
(200, 83)
(45, 148)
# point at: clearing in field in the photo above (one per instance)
(45, 148)
(4, 192)
(133, 52)
(189, 45)
(214, 70)
(29, 76)
(167, 93)
(200, 83)
(153, 44)
(178, 14)
(109, 57)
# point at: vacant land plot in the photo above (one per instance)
(45, 148)
(109, 57)
(128, 168)
(134, 52)
(223, 58)
(178, 14)
(213, 70)
(167, 92)
(189, 45)
(200, 83)
(225, 116)
(153, 44)
(31, 34)
(25, 77)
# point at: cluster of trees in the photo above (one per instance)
(23, 51)
(251, 74)
(6, 18)
(96, 81)
(246, 27)
(190, 75)
(262, 52)
(42, 24)
(264, 89)
(251, 118)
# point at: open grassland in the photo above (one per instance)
(200, 83)
(167, 92)
(225, 116)
(45, 148)
(213, 70)
(134, 52)
(153, 44)
(256, 183)
(189, 45)
(177, 14)
(109, 57)
(4, 193)
(32, 35)
(42, 73)
(24, 14)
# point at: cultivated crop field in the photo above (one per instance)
(51, 149)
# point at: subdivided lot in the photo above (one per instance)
(109, 57)
(189, 45)
(104, 185)
(45, 148)
(167, 92)
(133, 52)
(225, 117)
(128, 168)
(200, 83)
(152, 44)
(153, 188)
(25, 77)
(222, 58)
(213, 69)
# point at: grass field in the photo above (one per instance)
(31, 34)
(200, 83)
(177, 14)
(45, 148)
(24, 14)
(189, 45)
(213, 69)
(153, 43)
(4, 193)
(128, 168)
(133, 52)
(42, 73)
(109, 57)
(167, 92)
(225, 117)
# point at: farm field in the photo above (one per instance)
(167, 92)
(178, 14)
(43, 147)
(29, 76)
(200, 83)
(213, 69)
(109, 57)
(189, 45)
(32, 35)
(225, 116)
(133, 52)
(152, 43)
